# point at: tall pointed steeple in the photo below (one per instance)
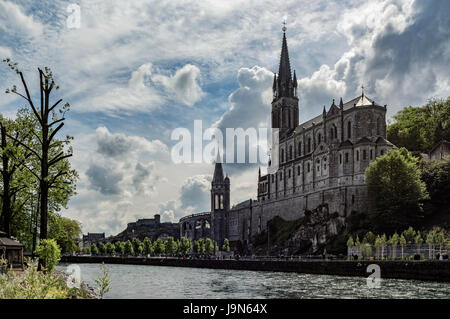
(285, 84)
(218, 170)
(285, 114)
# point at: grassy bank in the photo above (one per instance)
(34, 284)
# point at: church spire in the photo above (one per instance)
(285, 86)
(218, 171)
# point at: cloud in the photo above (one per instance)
(5, 52)
(250, 103)
(397, 50)
(14, 21)
(104, 180)
(118, 144)
(195, 193)
(183, 84)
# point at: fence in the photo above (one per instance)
(389, 252)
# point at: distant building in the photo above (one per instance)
(148, 227)
(91, 238)
(439, 151)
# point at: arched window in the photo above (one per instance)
(319, 138)
(290, 151)
(364, 155)
(349, 129)
(309, 167)
(331, 133)
(298, 170)
(335, 132)
(282, 155)
(340, 158)
(299, 148)
(281, 176)
(309, 144)
(357, 155)
(371, 154)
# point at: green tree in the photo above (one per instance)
(420, 128)
(436, 175)
(65, 231)
(402, 242)
(383, 243)
(394, 243)
(395, 187)
(185, 245)
(94, 249)
(209, 246)
(369, 238)
(136, 244)
(12, 156)
(110, 248)
(148, 247)
(120, 248)
(102, 248)
(418, 240)
(170, 246)
(440, 240)
(158, 246)
(49, 251)
(377, 245)
(410, 235)
(129, 248)
(48, 152)
(226, 245)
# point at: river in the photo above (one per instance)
(133, 281)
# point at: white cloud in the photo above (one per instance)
(397, 50)
(5, 52)
(14, 21)
(183, 84)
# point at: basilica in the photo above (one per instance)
(319, 162)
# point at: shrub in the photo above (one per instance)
(49, 251)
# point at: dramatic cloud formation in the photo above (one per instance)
(183, 85)
(135, 70)
(14, 21)
(397, 50)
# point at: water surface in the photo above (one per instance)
(141, 281)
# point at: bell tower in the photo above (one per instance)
(220, 202)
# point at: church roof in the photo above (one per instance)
(364, 140)
(346, 143)
(382, 140)
(361, 100)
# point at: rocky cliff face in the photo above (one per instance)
(311, 234)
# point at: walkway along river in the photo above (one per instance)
(438, 271)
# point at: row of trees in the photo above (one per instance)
(147, 247)
(36, 177)
(409, 237)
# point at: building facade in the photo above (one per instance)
(319, 162)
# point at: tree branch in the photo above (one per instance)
(57, 159)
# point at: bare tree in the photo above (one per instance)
(48, 150)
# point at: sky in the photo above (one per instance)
(135, 70)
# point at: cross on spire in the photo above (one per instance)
(362, 90)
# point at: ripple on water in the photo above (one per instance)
(134, 281)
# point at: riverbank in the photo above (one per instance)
(438, 271)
